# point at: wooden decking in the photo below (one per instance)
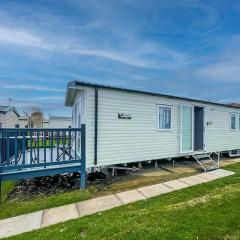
(28, 153)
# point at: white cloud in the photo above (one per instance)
(22, 37)
(225, 66)
(49, 98)
(158, 57)
(114, 55)
(134, 51)
(222, 71)
(33, 88)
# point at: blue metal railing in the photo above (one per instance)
(45, 148)
(16, 143)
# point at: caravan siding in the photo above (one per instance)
(219, 136)
(138, 138)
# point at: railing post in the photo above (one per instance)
(0, 188)
(1, 161)
(83, 158)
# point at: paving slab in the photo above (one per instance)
(97, 205)
(59, 214)
(222, 172)
(154, 190)
(194, 180)
(176, 184)
(130, 196)
(20, 224)
(208, 175)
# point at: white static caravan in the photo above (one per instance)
(125, 126)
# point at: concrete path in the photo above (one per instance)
(28, 222)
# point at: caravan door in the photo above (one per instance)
(78, 120)
(186, 128)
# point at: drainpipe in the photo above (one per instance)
(96, 127)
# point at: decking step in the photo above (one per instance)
(206, 162)
(202, 156)
(211, 168)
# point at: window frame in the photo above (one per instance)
(158, 117)
(230, 121)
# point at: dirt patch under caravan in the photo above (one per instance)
(124, 180)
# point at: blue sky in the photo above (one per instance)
(185, 48)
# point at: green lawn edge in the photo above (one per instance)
(22, 206)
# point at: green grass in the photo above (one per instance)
(40, 142)
(7, 187)
(10, 208)
(207, 211)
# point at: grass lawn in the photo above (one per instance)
(6, 188)
(207, 211)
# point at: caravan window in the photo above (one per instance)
(164, 117)
(233, 121)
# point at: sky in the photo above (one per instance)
(183, 48)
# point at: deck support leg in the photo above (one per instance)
(114, 172)
(140, 165)
(82, 179)
(218, 160)
(0, 190)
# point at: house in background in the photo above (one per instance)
(36, 120)
(9, 117)
(60, 122)
(24, 121)
(45, 123)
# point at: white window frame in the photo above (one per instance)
(230, 121)
(158, 117)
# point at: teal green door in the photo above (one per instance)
(186, 129)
